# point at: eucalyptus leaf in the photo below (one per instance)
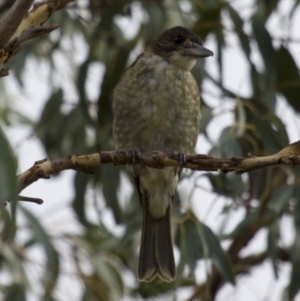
(52, 268)
(217, 255)
(294, 285)
(16, 293)
(8, 181)
(281, 198)
(273, 236)
(289, 78)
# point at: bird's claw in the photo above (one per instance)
(182, 162)
(134, 153)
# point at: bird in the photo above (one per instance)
(156, 107)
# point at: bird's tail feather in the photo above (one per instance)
(156, 252)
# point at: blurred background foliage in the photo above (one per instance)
(84, 60)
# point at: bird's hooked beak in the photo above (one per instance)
(197, 50)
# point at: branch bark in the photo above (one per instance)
(12, 20)
(290, 155)
(19, 25)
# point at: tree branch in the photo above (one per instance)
(290, 155)
(12, 20)
(19, 26)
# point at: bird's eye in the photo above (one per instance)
(178, 40)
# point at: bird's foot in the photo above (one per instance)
(133, 154)
(182, 162)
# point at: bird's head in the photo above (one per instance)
(179, 47)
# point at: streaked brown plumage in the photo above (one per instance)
(157, 107)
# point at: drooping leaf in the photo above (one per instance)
(267, 51)
(197, 241)
(246, 223)
(273, 236)
(110, 182)
(81, 182)
(280, 198)
(240, 125)
(51, 271)
(269, 79)
(206, 117)
(109, 274)
(16, 292)
(279, 127)
(265, 8)
(230, 185)
(114, 69)
(8, 182)
(217, 255)
(50, 126)
(228, 145)
(190, 243)
(288, 78)
(210, 20)
(294, 285)
(10, 259)
(238, 24)
(157, 20)
(266, 134)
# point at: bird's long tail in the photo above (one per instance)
(156, 252)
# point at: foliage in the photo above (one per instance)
(95, 32)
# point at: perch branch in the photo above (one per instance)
(44, 169)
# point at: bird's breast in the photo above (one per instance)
(161, 102)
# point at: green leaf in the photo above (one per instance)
(289, 78)
(217, 254)
(16, 292)
(8, 180)
(110, 181)
(246, 223)
(238, 26)
(266, 133)
(281, 198)
(5, 219)
(228, 146)
(73, 132)
(273, 236)
(294, 285)
(80, 184)
(114, 69)
(50, 126)
(157, 20)
(13, 262)
(280, 128)
(210, 20)
(190, 243)
(109, 275)
(51, 271)
(197, 241)
(240, 125)
(265, 8)
(265, 46)
(230, 185)
(94, 289)
(206, 117)
(8, 183)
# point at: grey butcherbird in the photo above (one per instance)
(156, 106)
